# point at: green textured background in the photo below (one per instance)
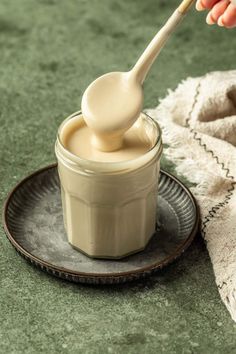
(50, 51)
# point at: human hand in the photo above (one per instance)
(222, 12)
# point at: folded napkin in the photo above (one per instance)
(198, 121)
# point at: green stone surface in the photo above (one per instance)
(50, 51)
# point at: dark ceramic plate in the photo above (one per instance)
(33, 223)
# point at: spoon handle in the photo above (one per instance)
(185, 6)
(144, 63)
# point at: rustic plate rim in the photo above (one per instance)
(150, 268)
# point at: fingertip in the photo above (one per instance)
(220, 21)
(209, 20)
(199, 6)
(228, 19)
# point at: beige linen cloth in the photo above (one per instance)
(198, 121)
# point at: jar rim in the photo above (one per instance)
(107, 165)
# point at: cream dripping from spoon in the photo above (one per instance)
(112, 103)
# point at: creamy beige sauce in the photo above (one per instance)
(77, 138)
(110, 105)
(109, 209)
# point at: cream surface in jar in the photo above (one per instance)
(77, 138)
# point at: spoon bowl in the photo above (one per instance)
(112, 102)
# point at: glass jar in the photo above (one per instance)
(109, 208)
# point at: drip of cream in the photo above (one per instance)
(137, 140)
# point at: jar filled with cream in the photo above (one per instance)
(109, 199)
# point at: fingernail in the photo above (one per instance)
(220, 21)
(209, 20)
(199, 6)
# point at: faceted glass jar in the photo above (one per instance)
(109, 208)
